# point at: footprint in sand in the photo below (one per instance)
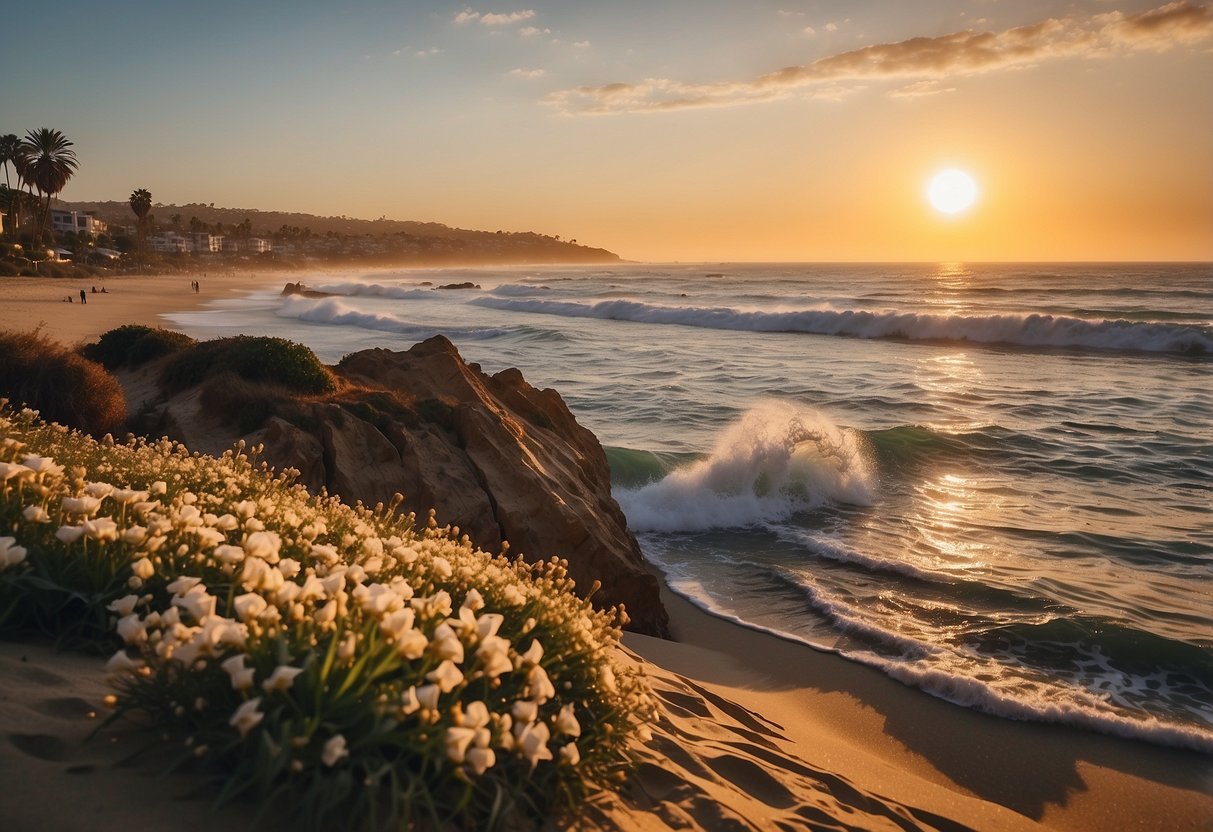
(41, 746)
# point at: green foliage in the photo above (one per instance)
(359, 671)
(256, 358)
(45, 375)
(133, 345)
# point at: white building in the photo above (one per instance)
(257, 245)
(203, 243)
(73, 221)
(169, 242)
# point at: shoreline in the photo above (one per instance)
(831, 715)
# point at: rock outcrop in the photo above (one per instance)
(492, 455)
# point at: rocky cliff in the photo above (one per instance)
(492, 455)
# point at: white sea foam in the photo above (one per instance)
(837, 551)
(333, 311)
(776, 460)
(1022, 330)
(376, 290)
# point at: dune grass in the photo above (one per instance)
(40, 372)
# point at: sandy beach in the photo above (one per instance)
(758, 732)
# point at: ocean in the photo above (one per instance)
(992, 482)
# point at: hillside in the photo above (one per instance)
(349, 236)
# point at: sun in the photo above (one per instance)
(952, 191)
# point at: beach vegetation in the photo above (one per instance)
(355, 669)
(134, 345)
(285, 363)
(42, 373)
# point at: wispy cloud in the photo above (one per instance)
(526, 73)
(494, 18)
(425, 53)
(532, 31)
(916, 59)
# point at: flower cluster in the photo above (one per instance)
(289, 639)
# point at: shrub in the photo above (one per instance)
(133, 345)
(9, 269)
(363, 671)
(256, 358)
(45, 375)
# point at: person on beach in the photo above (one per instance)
(83, 296)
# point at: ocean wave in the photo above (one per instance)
(517, 290)
(375, 290)
(775, 461)
(333, 312)
(978, 683)
(1018, 330)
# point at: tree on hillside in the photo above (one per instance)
(49, 164)
(141, 204)
(10, 150)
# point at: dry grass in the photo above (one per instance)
(64, 386)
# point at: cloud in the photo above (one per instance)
(809, 30)
(526, 73)
(581, 44)
(425, 53)
(952, 55)
(531, 31)
(494, 18)
(919, 89)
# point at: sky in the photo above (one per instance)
(690, 130)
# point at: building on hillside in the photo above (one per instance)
(229, 245)
(169, 242)
(74, 221)
(257, 245)
(203, 243)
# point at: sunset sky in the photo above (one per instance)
(674, 130)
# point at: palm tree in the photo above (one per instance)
(10, 148)
(49, 163)
(141, 204)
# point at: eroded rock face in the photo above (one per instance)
(491, 454)
(505, 461)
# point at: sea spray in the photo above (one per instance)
(776, 460)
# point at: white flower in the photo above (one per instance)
(479, 760)
(566, 722)
(199, 603)
(476, 715)
(130, 628)
(428, 695)
(69, 534)
(228, 553)
(100, 490)
(446, 676)
(441, 567)
(457, 740)
(10, 470)
(102, 528)
(409, 702)
(488, 624)
(120, 662)
(606, 678)
(473, 600)
(533, 742)
(81, 505)
(35, 514)
(513, 595)
(289, 567)
(446, 645)
(42, 465)
(282, 678)
(539, 686)
(494, 656)
(10, 553)
(134, 535)
(250, 605)
(524, 711)
(241, 676)
(411, 644)
(334, 750)
(246, 717)
(533, 653)
(183, 584)
(126, 496)
(124, 606)
(570, 754)
(159, 487)
(264, 545)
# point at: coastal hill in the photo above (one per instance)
(342, 237)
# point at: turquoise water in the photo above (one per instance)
(995, 483)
